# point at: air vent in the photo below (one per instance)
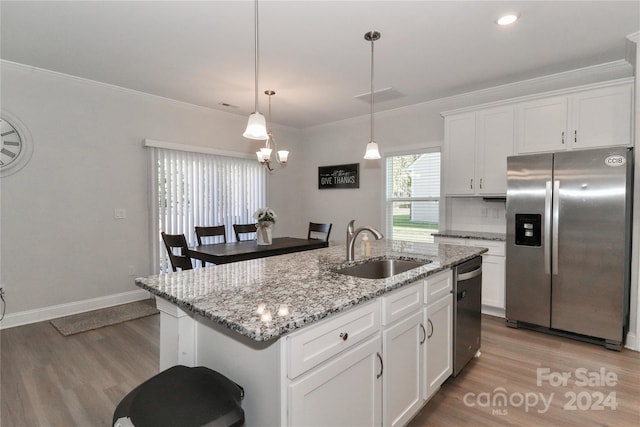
(381, 95)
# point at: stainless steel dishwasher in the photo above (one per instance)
(467, 318)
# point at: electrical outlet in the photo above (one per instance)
(119, 213)
(132, 270)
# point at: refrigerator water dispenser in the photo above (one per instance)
(528, 230)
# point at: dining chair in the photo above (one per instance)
(177, 241)
(215, 232)
(319, 231)
(244, 229)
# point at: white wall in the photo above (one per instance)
(61, 248)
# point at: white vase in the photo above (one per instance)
(263, 234)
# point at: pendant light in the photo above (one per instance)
(264, 155)
(256, 126)
(372, 152)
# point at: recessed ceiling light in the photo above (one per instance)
(507, 19)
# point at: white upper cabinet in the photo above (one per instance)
(602, 117)
(478, 140)
(460, 143)
(587, 119)
(494, 144)
(542, 125)
(476, 148)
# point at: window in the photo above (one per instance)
(190, 188)
(413, 196)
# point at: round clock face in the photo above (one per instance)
(15, 145)
(12, 144)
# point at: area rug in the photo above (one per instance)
(82, 322)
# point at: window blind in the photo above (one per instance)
(191, 189)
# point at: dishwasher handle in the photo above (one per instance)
(470, 275)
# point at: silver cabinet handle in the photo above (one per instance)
(471, 183)
(381, 365)
(424, 334)
(554, 231)
(430, 324)
(481, 183)
(575, 135)
(547, 228)
(344, 336)
(563, 137)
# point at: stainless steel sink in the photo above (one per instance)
(381, 268)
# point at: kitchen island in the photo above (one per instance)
(265, 324)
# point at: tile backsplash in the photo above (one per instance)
(475, 214)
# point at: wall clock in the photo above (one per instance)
(15, 150)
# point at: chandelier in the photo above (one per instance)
(264, 155)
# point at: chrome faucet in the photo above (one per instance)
(351, 237)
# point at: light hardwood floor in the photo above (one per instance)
(51, 380)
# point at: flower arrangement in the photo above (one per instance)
(265, 215)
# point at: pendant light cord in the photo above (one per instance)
(256, 56)
(371, 90)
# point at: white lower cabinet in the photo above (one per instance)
(374, 365)
(438, 318)
(346, 391)
(418, 348)
(403, 355)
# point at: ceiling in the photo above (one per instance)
(312, 53)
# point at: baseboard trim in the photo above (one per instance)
(632, 342)
(493, 311)
(47, 313)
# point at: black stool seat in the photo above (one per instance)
(185, 397)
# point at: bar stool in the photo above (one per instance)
(185, 397)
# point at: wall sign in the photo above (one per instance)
(339, 176)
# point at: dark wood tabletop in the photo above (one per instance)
(222, 253)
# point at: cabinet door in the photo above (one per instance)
(495, 141)
(493, 281)
(403, 345)
(459, 150)
(542, 125)
(601, 117)
(439, 359)
(346, 391)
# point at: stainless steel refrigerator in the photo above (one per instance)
(569, 243)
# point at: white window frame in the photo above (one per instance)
(431, 147)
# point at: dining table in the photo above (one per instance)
(223, 253)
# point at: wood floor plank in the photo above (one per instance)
(509, 363)
(51, 380)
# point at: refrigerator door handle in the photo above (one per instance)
(554, 231)
(547, 228)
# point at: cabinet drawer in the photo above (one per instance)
(495, 247)
(401, 302)
(310, 347)
(437, 286)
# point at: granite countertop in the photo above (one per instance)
(294, 289)
(479, 235)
